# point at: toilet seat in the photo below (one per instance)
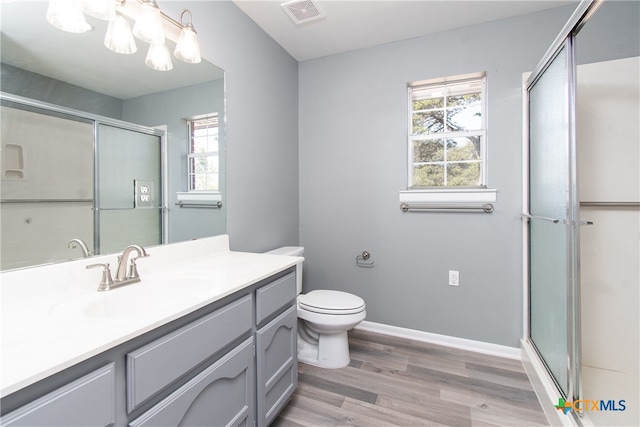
(331, 302)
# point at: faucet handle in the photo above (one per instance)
(133, 269)
(107, 280)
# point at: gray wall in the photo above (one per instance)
(171, 108)
(262, 124)
(353, 155)
(35, 86)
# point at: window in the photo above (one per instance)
(447, 133)
(203, 154)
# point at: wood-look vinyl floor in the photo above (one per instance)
(399, 382)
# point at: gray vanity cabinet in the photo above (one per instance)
(156, 365)
(232, 362)
(276, 346)
(277, 368)
(221, 395)
(87, 401)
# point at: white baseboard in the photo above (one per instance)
(461, 343)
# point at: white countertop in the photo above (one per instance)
(53, 317)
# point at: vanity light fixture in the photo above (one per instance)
(67, 16)
(101, 9)
(158, 57)
(148, 26)
(187, 49)
(119, 38)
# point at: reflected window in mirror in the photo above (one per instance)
(203, 156)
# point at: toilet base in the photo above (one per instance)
(331, 351)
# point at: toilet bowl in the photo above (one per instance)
(324, 317)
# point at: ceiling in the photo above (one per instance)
(355, 24)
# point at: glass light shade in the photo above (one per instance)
(118, 37)
(188, 49)
(158, 57)
(66, 16)
(148, 26)
(101, 9)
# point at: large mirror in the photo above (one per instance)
(88, 133)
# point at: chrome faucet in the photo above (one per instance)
(129, 273)
(124, 275)
(74, 243)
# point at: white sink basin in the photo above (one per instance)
(155, 294)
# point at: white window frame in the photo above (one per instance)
(449, 194)
(191, 155)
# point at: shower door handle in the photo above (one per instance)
(544, 218)
(556, 221)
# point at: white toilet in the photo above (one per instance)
(324, 317)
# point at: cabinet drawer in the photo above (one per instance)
(88, 401)
(158, 364)
(221, 395)
(274, 296)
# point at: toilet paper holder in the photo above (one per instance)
(362, 260)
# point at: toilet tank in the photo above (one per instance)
(292, 251)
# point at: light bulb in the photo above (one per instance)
(101, 9)
(66, 16)
(188, 49)
(148, 26)
(158, 57)
(118, 37)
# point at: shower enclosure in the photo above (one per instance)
(71, 175)
(582, 217)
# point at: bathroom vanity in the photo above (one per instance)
(208, 337)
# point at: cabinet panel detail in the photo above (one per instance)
(274, 296)
(88, 401)
(156, 365)
(222, 394)
(277, 372)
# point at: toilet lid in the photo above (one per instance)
(331, 302)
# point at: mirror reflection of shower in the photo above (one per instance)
(55, 198)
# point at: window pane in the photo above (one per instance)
(200, 144)
(428, 122)
(467, 148)
(212, 164)
(468, 117)
(463, 174)
(427, 104)
(428, 151)
(428, 175)
(212, 143)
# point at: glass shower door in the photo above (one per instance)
(129, 190)
(550, 224)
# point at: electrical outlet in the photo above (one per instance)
(454, 278)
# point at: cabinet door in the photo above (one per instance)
(88, 401)
(277, 363)
(221, 395)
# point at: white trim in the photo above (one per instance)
(198, 196)
(449, 195)
(525, 206)
(544, 387)
(445, 340)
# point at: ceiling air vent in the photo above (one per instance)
(302, 11)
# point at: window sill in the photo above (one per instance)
(199, 196)
(449, 195)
